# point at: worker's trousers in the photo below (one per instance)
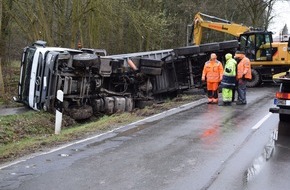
(212, 92)
(242, 91)
(227, 94)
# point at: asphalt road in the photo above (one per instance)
(202, 147)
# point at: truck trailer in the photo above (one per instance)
(94, 82)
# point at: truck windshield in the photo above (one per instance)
(26, 67)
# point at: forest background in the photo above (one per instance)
(118, 26)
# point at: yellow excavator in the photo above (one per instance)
(267, 57)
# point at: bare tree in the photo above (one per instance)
(268, 14)
(259, 11)
(128, 25)
(5, 6)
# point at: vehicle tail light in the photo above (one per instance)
(281, 95)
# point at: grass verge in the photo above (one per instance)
(32, 131)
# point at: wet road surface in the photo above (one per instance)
(272, 168)
(206, 147)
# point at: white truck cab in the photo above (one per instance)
(37, 66)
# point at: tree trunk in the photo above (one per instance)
(2, 89)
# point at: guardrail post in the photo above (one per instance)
(58, 114)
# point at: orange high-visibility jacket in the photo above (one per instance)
(244, 68)
(212, 71)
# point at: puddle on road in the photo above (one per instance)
(259, 162)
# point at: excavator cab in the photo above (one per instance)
(257, 45)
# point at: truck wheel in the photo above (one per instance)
(284, 117)
(256, 79)
(85, 60)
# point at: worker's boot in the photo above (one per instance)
(228, 103)
(209, 100)
(241, 103)
(215, 101)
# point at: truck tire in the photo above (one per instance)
(256, 79)
(85, 60)
(284, 117)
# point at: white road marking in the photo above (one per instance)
(261, 121)
(156, 116)
(99, 135)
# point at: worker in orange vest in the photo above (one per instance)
(212, 73)
(244, 74)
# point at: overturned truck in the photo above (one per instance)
(94, 82)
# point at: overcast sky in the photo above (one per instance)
(282, 17)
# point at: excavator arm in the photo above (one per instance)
(218, 24)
